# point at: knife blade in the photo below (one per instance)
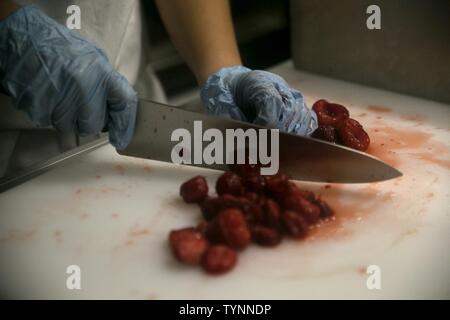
(302, 158)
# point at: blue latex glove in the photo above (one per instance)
(257, 97)
(61, 79)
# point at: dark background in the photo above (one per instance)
(409, 55)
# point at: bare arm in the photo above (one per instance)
(7, 8)
(202, 31)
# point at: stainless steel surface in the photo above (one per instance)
(39, 168)
(303, 158)
(410, 54)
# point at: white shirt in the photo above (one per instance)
(118, 27)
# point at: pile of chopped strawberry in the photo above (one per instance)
(248, 208)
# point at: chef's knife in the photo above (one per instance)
(303, 158)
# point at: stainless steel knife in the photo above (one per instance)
(303, 158)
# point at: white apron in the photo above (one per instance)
(118, 27)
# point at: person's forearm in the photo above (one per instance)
(202, 31)
(7, 8)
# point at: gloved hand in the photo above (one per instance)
(258, 97)
(59, 78)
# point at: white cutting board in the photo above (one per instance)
(110, 215)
